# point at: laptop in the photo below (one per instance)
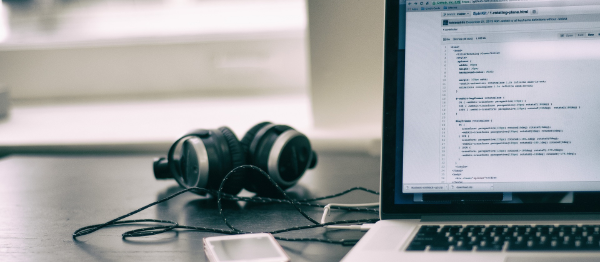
(490, 146)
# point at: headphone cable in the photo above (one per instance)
(171, 225)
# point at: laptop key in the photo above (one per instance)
(462, 246)
(416, 246)
(490, 248)
(439, 247)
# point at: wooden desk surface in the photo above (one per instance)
(44, 199)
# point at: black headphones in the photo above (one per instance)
(202, 158)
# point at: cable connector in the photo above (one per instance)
(363, 227)
(349, 242)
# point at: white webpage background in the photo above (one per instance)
(559, 72)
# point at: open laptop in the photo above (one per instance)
(491, 145)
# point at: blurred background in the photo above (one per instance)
(65, 49)
(132, 76)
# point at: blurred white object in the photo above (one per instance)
(4, 28)
(127, 48)
(4, 102)
(346, 64)
(270, 64)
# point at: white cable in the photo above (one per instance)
(327, 208)
(363, 227)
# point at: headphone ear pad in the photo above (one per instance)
(237, 156)
(248, 138)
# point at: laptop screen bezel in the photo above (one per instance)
(393, 125)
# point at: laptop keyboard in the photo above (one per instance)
(506, 237)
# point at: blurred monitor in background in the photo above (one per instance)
(65, 49)
(158, 68)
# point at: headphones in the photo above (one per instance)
(202, 158)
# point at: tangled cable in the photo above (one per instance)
(171, 225)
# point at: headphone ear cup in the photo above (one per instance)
(279, 150)
(253, 180)
(232, 156)
(249, 137)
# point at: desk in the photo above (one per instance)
(44, 199)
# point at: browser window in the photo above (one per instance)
(501, 96)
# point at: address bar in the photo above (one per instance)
(513, 28)
(504, 12)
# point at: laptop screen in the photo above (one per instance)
(498, 102)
